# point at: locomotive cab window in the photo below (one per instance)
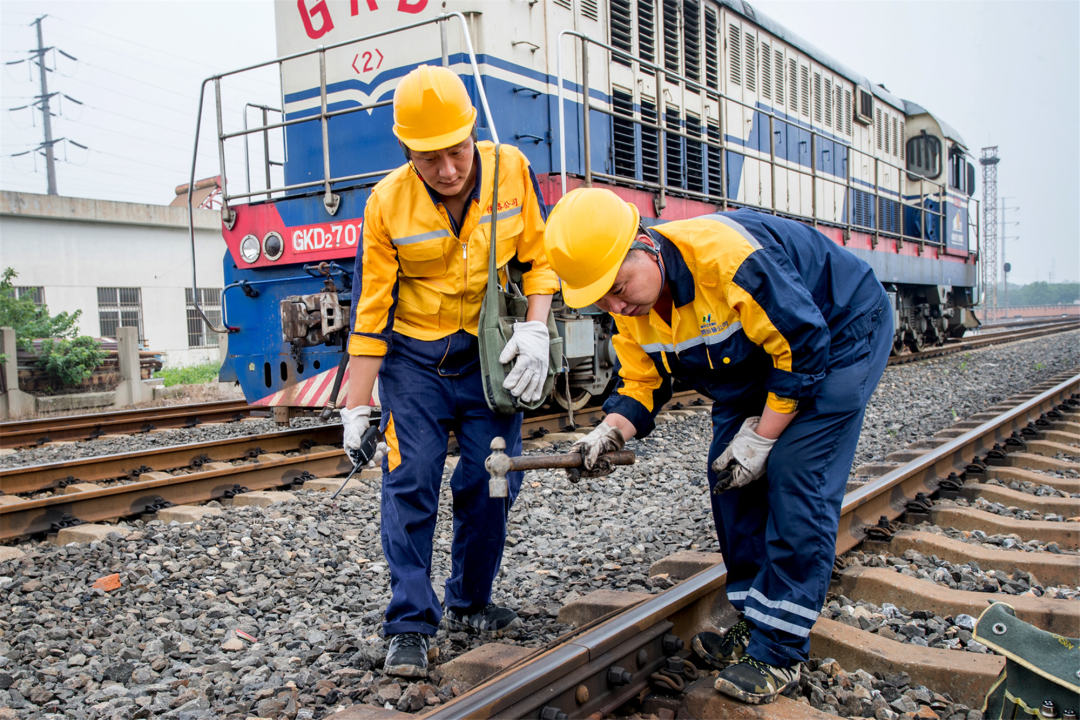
(970, 179)
(924, 155)
(957, 170)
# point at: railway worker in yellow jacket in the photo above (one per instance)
(789, 334)
(419, 280)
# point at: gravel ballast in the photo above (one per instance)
(305, 582)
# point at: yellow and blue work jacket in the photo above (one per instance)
(757, 301)
(420, 274)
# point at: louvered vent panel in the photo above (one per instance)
(646, 22)
(713, 155)
(793, 84)
(888, 217)
(751, 62)
(712, 56)
(804, 89)
(878, 126)
(621, 30)
(817, 97)
(847, 113)
(863, 212)
(623, 134)
(695, 163)
(779, 78)
(766, 71)
(895, 139)
(828, 102)
(590, 9)
(903, 140)
(565, 4)
(671, 35)
(735, 54)
(650, 144)
(886, 131)
(673, 149)
(839, 108)
(692, 32)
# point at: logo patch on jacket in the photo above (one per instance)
(708, 327)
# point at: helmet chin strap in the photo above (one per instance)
(651, 248)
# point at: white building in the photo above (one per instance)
(122, 264)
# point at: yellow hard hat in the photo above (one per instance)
(588, 234)
(432, 109)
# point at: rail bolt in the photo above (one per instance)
(618, 677)
(552, 713)
(672, 644)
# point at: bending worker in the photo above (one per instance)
(788, 334)
(420, 276)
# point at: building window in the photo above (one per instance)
(36, 294)
(199, 333)
(120, 307)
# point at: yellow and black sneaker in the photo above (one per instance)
(755, 682)
(719, 651)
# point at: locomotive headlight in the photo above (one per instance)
(273, 246)
(249, 248)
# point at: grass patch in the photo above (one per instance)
(190, 374)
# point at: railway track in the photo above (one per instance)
(982, 341)
(139, 482)
(23, 433)
(88, 427)
(624, 641)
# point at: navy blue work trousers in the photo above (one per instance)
(428, 389)
(778, 534)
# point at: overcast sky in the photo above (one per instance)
(1004, 74)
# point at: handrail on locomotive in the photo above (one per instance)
(330, 199)
(722, 199)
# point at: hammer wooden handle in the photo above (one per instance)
(567, 460)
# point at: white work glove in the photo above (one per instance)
(603, 439)
(356, 421)
(530, 344)
(744, 459)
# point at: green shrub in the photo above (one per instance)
(69, 362)
(29, 320)
(190, 374)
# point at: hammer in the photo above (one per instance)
(498, 464)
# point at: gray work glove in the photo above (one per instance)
(603, 439)
(356, 421)
(530, 344)
(744, 459)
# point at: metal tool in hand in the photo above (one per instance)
(499, 464)
(369, 443)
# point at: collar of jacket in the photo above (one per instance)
(676, 272)
(474, 196)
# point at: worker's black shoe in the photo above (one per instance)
(755, 682)
(719, 651)
(407, 655)
(493, 621)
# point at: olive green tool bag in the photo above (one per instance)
(1041, 678)
(498, 313)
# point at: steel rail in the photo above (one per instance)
(45, 515)
(549, 676)
(37, 478)
(82, 427)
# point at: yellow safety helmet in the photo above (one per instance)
(432, 109)
(588, 234)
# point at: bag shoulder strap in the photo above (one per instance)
(493, 269)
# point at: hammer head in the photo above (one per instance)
(498, 465)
